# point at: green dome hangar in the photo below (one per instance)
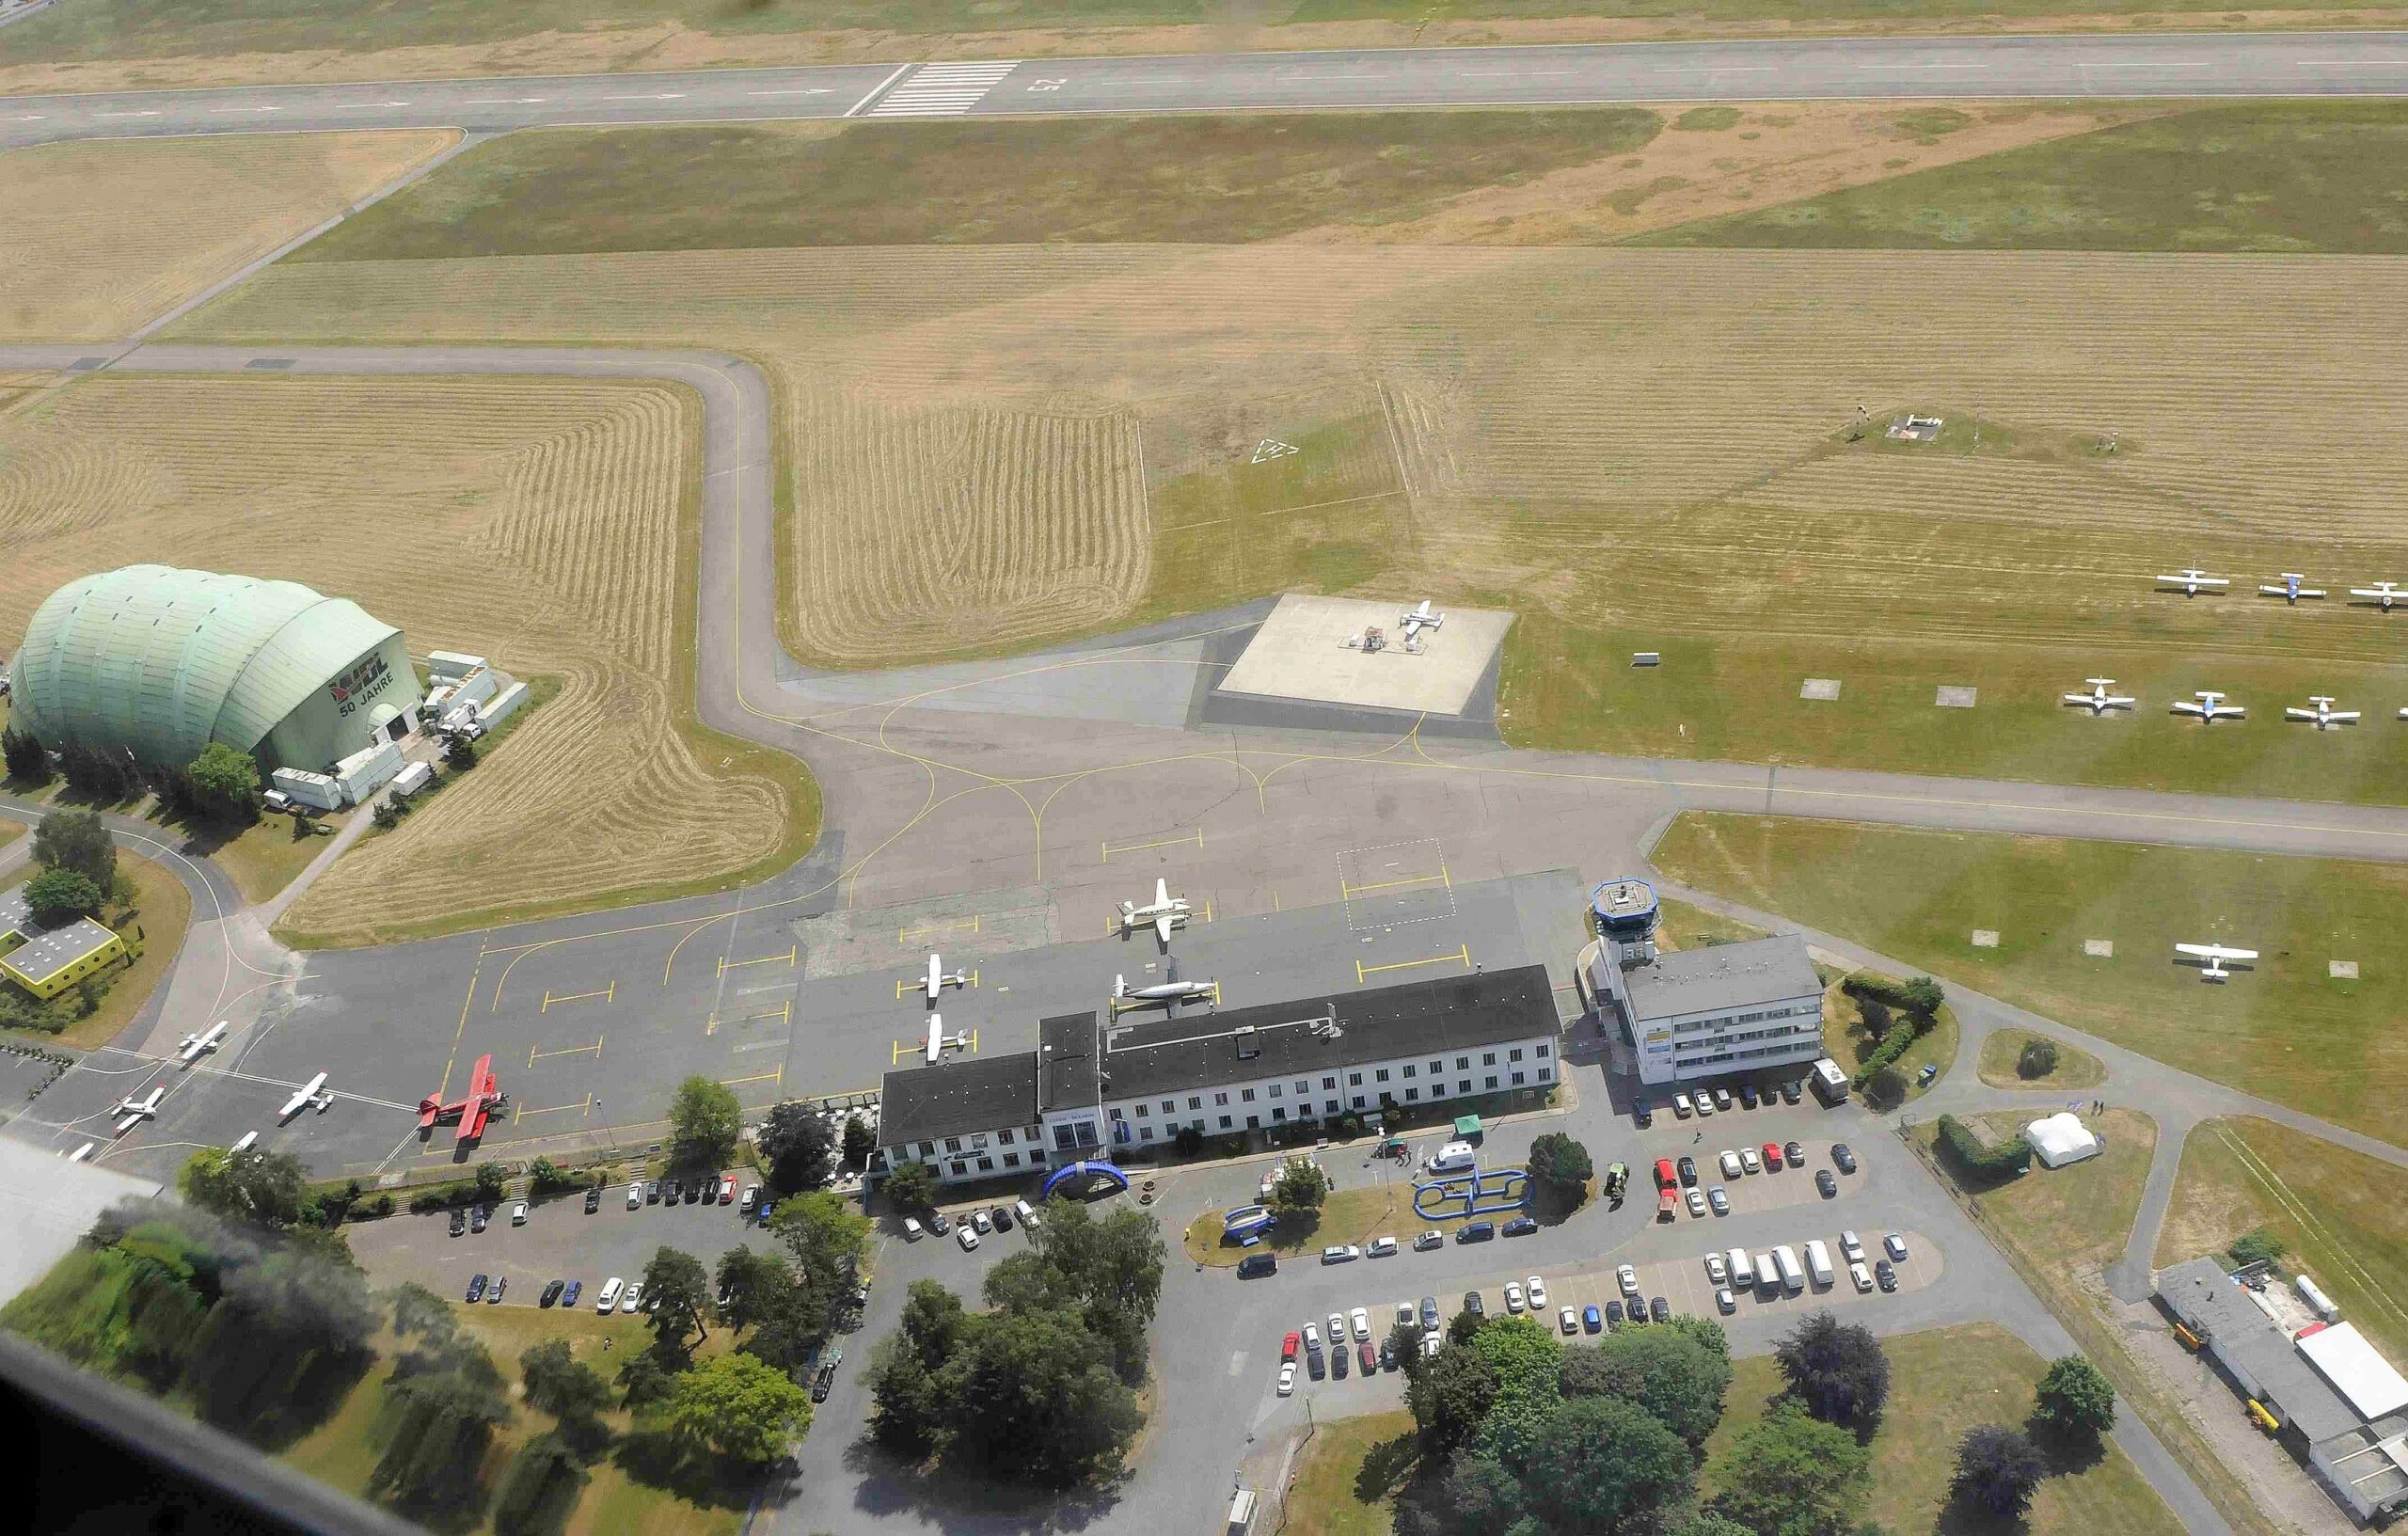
(159, 662)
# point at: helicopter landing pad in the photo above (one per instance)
(1302, 652)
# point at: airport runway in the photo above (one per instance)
(2223, 64)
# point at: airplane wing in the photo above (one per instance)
(2236, 954)
(2294, 712)
(295, 1104)
(2276, 591)
(2120, 701)
(1161, 927)
(2077, 698)
(2212, 580)
(2234, 709)
(2184, 706)
(1162, 892)
(483, 1091)
(2203, 951)
(2342, 714)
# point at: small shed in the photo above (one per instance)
(2061, 1139)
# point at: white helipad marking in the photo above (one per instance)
(2103, 948)
(1985, 938)
(2342, 969)
(943, 90)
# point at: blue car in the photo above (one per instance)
(769, 1208)
(568, 1297)
(1479, 1231)
(476, 1287)
(1590, 1318)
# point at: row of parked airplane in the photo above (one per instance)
(2191, 582)
(2208, 704)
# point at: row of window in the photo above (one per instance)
(1305, 1111)
(1695, 1026)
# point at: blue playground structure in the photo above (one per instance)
(1104, 1171)
(1458, 1195)
(1244, 1223)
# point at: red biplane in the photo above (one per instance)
(484, 1097)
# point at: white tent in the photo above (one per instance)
(2061, 1139)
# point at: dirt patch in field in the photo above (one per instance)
(100, 237)
(546, 523)
(670, 45)
(1767, 154)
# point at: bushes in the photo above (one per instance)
(1876, 996)
(1921, 996)
(2038, 1059)
(2256, 1247)
(1893, 1046)
(2000, 1162)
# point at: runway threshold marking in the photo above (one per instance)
(1350, 892)
(784, 1016)
(608, 994)
(921, 985)
(1461, 956)
(1110, 849)
(725, 965)
(534, 1055)
(904, 936)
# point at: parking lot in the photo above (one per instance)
(1792, 1183)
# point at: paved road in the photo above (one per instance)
(2203, 65)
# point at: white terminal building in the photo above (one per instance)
(1689, 1015)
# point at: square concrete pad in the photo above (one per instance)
(2103, 948)
(1985, 938)
(1821, 687)
(2343, 970)
(1301, 653)
(1956, 698)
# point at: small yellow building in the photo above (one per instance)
(47, 961)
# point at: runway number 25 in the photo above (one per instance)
(1049, 85)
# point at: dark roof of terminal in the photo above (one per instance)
(1066, 1068)
(955, 1098)
(1201, 1047)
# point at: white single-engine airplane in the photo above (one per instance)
(1170, 993)
(134, 1110)
(1419, 619)
(2323, 715)
(2098, 701)
(2383, 593)
(311, 1092)
(1164, 914)
(2215, 955)
(2194, 581)
(196, 1046)
(2211, 706)
(939, 1042)
(939, 978)
(2290, 591)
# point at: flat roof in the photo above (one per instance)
(2356, 1371)
(1722, 977)
(1300, 651)
(958, 1097)
(1066, 1060)
(15, 915)
(2202, 1293)
(47, 953)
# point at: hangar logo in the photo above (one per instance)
(361, 683)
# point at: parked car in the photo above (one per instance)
(769, 1208)
(1841, 1155)
(1312, 1338)
(1886, 1274)
(696, 1189)
(1521, 1226)
(1027, 1217)
(823, 1383)
(606, 1299)
(1826, 1183)
(1750, 1161)
(1473, 1304)
(1337, 1330)
(1512, 1296)
(1429, 1240)
(1368, 1357)
(1852, 1248)
(1860, 1275)
(1287, 1379)
(1479, 1231)
(1643, 1112)
(1338, 1366)
(459, 1220)
(752, 1198)
(519, 1214)
(1702, 1102)
(1793, 1091)
(1591, 1318)
(1687, 1167)
(1627, 1278)
(635, 1196)
(1613, 1314)
(1682, 1108)
(967, 1236)
(575, 1289)
(1794, 1152)
(1719, 1200)
(1721, 1097)
(1361, 1320)
(632, 1298)
(1429, 1314)
(1697, 1202)
(980, 1224)
(1716, 1274)
(593, 1199)
(1535, 1288)
(477, 1219)
(1570, 1321)
(727, 1189)
(1290, 1345)
(1725, 1302)
(669, 1192)
(1772, 1157)
(652, 1192)
(939, 1223)
(1731, 1165)
(1381, 1247)
(1896, 1244)
(476, 1288)
(493, 1293)
(1254, 1265)
(912, 1230)
(551, 1293)
(1341, 1253)
(1002, 1216)
(1748, 1094)
(1388, 1354)
(1659, 1310)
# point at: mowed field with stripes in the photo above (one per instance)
(1633, 449)
(548, 523)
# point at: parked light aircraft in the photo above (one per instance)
(251, 1139)
(2098, 701)
(2323, 714)
(138, 1109)
(939, 1042)
(2217, 956)
(1171, 993)
(2211, 706)
(196, 1046)
(1419, 619)
(939, 978)
(2383, 593)
(484, 1097)
(2290, 591)
(1164, 914)
(311, 1092)
(2194, 581)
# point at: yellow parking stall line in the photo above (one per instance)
(904, 936)
(778, 1076)
(585, 1104)
(534, 1055)
(609, 994)
(1166, 843)
(1351, 891)
(725, 965)
(1461, 956)
(903, 1048)
(784, 1016)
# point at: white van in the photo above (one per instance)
(1743, 1275)
(1027, 1217)
(1455, 1157)
(609, 1297)
(1793, 1279)
(1831, 1084)
(912, 1229)
(1767, 1274)
(1819, 1261)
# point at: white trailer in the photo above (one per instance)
(307, 788)
(1818, 1260)
(412, 779)
(1831, 1084)
(451, 666)
(1793, 1279)
(502, 705)
(366, 771)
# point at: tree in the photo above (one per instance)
(1885, 1088)
(459, 753)
(1997, 1469)
(677, 1293)
(1674, 1373)
(441, 1422)
(2039, 1058)
(419, 1311)
(491, 1180)
(644, 1380)
(1036, 1395)
(60, 895)
(1464, 1326)
(1791, 1475)
(1450, 1398)
(1922, 997)
(263, 1188)
(796, 1141)
(540, 1489)
(1560, 1169)
(544, 1176)
(224, 784)
(1707, 1523)
(1600, 1463)
(77, 840)
(739, 1408)
(704, 1119)
(561, 1385)
(28, 764)
(2256, 1247)
(1837, 1370)
(908, 1412)
(1299, 1191)
(1405, 1346)
(2075, 1398)
(751, 1281)
(1481, 1496)
(826, 1238)
(913, 1186)
(860, 1141)
(1110, 1270)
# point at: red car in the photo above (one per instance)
(1772, 1157)
(727, 1189)
(1289, 1346)
(1370, 1356)
(1665, 1177)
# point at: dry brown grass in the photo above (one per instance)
(1621, 437)
(546, 523)
(100, 237)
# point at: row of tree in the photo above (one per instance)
(705, 1120)
(221, 784)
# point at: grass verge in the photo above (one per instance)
(2342, 1216)
(157, 913)
(2075, 1068)
(1348, 1216)
(1849, 1042)
(1681, 926)
(2282, 176)
(1349, 1474)
(2288, 1030)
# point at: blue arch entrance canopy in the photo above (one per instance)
(1082, 1170)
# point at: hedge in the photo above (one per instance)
(1893, 1046)
(1921, 997)
(2015, 1157)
